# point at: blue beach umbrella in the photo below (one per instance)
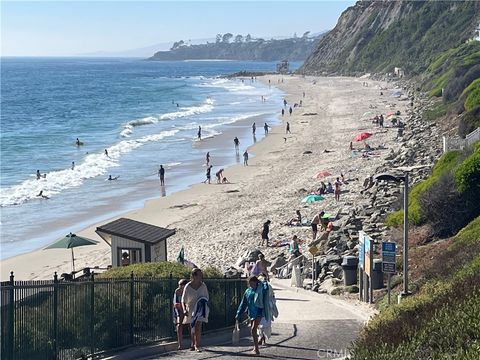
(312, 198)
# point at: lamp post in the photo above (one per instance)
(398, 179)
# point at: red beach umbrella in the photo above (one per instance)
(362, 136)
(321, 174)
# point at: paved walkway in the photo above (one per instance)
(310, 326)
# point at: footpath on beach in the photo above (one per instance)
(309, 326)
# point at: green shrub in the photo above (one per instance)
(446, 163)
(467, 175)
(157, 270)
(442, 319)
(469, 121)
(472, 95)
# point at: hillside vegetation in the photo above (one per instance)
(376, 36)
(242, 48)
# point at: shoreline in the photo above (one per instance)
(180, 176)
(228, 223)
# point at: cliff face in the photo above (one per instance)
(374, 36)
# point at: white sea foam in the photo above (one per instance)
(92, 166)
(207, 106)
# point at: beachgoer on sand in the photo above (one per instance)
(290, 111)
(161, 174)
(283, 112)
(245, 158)
(207, 158)
(261, 267)
(294, 248)
(296, 221)
(254, 128)
(265, 231)
(287, 130)
(208, 174)
(252, 302)
(337, 189)
(195, 307)
(178, 314)
(265, 127)
(219, 175)
(315, 221)
(285, 102)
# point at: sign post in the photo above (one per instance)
(361, 264)
(389, 264)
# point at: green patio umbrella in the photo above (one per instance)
(69, 242)
(312, 198)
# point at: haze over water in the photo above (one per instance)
(124, 106)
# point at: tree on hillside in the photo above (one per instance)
(218, 38)
(248, 38)
(177, 44)
(226, 37)
(238, 38)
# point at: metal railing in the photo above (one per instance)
(301, 260)
(457, 143)
(72, 320)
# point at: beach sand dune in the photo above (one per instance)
(217, 223)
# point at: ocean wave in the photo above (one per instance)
(92, 166)
(207, 106)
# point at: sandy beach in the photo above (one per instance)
(217, 223)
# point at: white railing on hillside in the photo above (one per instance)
(457, 143)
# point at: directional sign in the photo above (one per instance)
(361, 250)
(389, 268)
(389, 255)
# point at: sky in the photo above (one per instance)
(68, 28)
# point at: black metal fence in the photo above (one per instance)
(71, 320)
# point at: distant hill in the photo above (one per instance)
(228, 47)
(375, 36)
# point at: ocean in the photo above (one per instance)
(142, 113)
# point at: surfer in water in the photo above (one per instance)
(110, 178)
(106, 153)
(39, 176)
(73, 165)
(78, 142)
(199, 133)
(40, 194)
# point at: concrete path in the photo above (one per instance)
(310, 326)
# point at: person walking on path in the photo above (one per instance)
(287, 130)
(253, 303)
(265, 231)
(290, 111)
(195, 306)
(178, 313)
(254, 128)
(245, 158)
(237, 143)
(265, 127)
(283, 112)
(161, 175)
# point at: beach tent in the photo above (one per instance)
(69, 242)
(321, 174)
(312, 198)
(362, 136)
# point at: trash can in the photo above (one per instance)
(349, 265)
(377, 274)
